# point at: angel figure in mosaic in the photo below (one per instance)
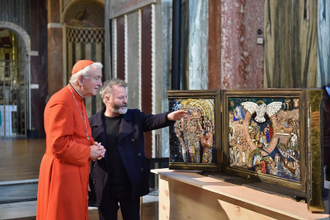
(271, 109)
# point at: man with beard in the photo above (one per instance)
(121, 178)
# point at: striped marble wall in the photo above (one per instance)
(137, 34)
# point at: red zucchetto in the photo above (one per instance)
(81, 64)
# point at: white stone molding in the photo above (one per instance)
(153, 59)
(153, 78)
(34, 53)
(54, 25)
(140, 55)
(115, 46)
(125, 47)
(64, 55)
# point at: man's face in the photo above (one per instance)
(118, 100)
(92, 82)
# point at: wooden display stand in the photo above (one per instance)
(189, 195)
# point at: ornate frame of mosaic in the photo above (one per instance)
(264, 135)
(274, 135)
(195, 140)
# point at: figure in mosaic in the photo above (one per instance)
(195, 133)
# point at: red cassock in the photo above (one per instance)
(64, 169)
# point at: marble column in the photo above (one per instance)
(214, 47)
(38, 61)
(55, 48)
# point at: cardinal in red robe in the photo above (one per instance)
(64, 169)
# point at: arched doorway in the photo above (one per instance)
(14, 81)
(84, 34)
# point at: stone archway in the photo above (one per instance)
(83, 28)
(20, 32)
(17, 111)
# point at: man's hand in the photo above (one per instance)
(97, 151)
(177, 115)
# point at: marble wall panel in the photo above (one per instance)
(290, 44)
(163, 26)
(241, 56)
(197, 57)
(133, 59)
(163, 67)
(54, 11)
(120, 39)
(323, 45)
(55, 57)
(147, 60)
(147, 69)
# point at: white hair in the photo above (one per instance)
(85, 71)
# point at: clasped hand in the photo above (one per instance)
(97, 151)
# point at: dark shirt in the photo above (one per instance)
(116, 170)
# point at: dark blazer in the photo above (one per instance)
(131, 149)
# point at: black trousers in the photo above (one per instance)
(119, 197)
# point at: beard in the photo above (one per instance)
(120, 109)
